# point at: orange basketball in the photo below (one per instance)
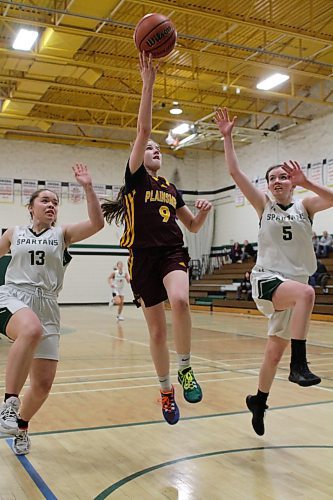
(156, 35)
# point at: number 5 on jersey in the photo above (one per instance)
(287, 234)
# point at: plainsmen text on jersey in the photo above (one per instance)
(151, 204)
(285, 240)
(38, 260)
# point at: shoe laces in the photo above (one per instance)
(168, 402)
(22, 436)
(9, 413)
(188, 380)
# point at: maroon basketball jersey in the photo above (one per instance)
(150, 215)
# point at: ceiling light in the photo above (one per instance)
(187, 139)
(25, 39)
(170, 139)
(176, 109)
(225, 88)
(272, 81)
(181, 129)
(237, 90)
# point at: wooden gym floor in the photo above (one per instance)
(101, 433)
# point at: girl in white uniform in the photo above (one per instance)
(29, 313)
(285, 261)
(117, 280)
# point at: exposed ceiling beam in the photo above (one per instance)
(192, 104)
(265, 25)
(155, 117)
(253, 23)
(75, 122)
(122, 38)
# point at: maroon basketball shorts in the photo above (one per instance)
(148, 267)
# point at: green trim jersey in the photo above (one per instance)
(285, 240)
(119, 279)
(150, 211)
(38, 259)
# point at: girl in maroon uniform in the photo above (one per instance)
(148, 205)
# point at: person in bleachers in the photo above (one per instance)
(315, 242)
(320, 276)
(245, 287)
(236, 253)
(248, 251)
(325, 245)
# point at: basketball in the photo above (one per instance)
(156, 35)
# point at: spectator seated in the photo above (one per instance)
(325, 245)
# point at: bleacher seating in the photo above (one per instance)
(218, 291)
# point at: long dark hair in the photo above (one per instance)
(269, 170)
(114, 210)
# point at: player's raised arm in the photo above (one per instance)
(256, 197)
(82, 230)
(144, 123)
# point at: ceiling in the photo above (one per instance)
(80, 84)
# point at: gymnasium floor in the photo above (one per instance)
(101, 433)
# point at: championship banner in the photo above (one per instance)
(262, 184)
(316, 173)
(6, 190)
(54, 186)
(239, 198)
(329, 172)
(28, 187)
(75, 192)
(299, 189)
(100, 190)
(115, 192)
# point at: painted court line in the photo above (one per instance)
(131, 387)
(108, 491)
(37, 479)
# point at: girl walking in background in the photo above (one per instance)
(149, 205)
(285, 260)
(117, 281)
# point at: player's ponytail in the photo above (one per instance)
(114, 210)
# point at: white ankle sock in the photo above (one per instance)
(184, 361)
(165, 383)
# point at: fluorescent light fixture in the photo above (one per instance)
(181, 129)
(170, 140)
(176, 109)
(25, 39)
(186, 139)
(272, 81)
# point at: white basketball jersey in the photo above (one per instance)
(38, 260)
(119, 279)
(285, 240)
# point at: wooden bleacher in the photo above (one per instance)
(218, 291)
